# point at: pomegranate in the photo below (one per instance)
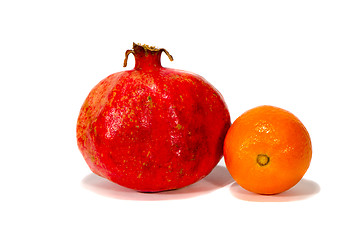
(152, 128)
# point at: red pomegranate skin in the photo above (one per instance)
(152, 128)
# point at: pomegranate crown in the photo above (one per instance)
(145, 48)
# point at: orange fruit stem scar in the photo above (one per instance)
(262, 160)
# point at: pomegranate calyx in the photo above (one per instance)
(145, 48)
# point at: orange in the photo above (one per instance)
(267, 150)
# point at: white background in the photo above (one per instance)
(303, 56)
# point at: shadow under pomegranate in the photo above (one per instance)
(218, 178)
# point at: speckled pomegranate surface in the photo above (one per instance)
(152, 128)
